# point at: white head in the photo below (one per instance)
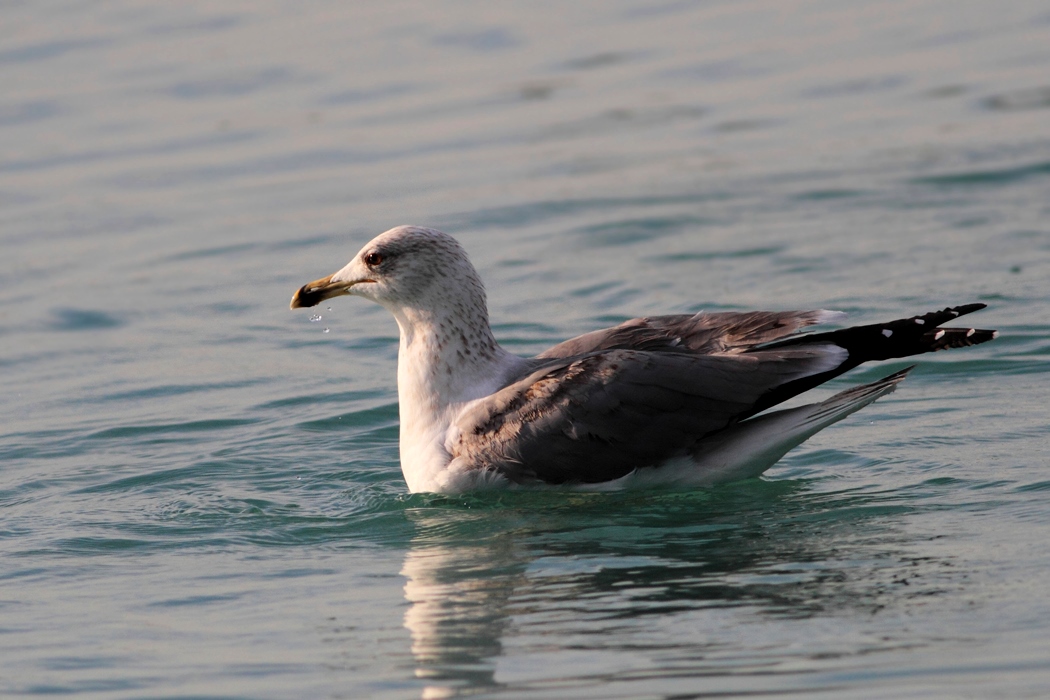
(447, 355)
(423, 277)
(407, 267)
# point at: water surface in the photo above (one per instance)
(200, 493)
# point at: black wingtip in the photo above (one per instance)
(933, 319)
(947, 338)
(901, 338)
(880, 341)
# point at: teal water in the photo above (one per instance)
(200, 493)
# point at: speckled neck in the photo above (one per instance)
(443, 353)
(446, 359)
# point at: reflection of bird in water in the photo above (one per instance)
(457, 613)
(615, 586)
(669, 400)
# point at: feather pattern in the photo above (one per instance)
(659, 400)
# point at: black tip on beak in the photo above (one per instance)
(307, 296)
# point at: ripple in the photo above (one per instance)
(631, 231)
(46, 50)
(234, 84)
(84, 320)
(1019, 100)
(12, 114)
(185, 428)
(991, 177)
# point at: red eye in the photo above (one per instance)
(373, 259)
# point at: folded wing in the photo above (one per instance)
(702, 333)
(598, 416)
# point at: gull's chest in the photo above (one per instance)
(434, 382)
(424, 420)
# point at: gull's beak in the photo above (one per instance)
(317, 291)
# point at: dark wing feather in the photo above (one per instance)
(880, 341)
(692, 333)
(597, 417)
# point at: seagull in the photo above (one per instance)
(675, 401)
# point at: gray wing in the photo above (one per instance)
(598, 417)
(700, 333)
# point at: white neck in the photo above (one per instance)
(444, 361)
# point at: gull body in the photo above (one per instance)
(666, 400)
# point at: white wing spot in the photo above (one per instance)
(970, 332)
(920, 321)
(887, 332)
(938, 335)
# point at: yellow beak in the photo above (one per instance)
(313, 293)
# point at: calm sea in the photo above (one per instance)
(200, 494)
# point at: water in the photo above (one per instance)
(200, 493)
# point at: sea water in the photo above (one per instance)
(200, 493)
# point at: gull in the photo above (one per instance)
(663, 401)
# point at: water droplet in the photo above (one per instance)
(326, 330)
(315, 318)
(328, 308)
